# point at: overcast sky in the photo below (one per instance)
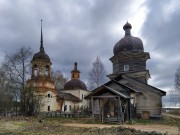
(81, 30)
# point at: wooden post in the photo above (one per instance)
(92, 108)
(129, 109)
(102, 108)
(120, 109)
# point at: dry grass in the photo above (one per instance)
(55, 126)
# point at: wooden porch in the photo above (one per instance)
(109, 108)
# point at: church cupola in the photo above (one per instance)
(127, 28)
(75, 74)
(129, 56)
(41, 64)
(41, 55)
(128, 42)
(75, 83)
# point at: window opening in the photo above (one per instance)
(35, 70)
(48, 108)
(126, 67)
(47, 70)
(65, 108)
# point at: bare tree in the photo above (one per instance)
(33, 101)
(6, 100)
(173, 97)
(97, 75)
(177, 86)
(59, 79)
(17, 68)
(9, 89)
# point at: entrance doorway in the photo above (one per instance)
(48, 108)
(110, 109)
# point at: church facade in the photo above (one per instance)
(74, 92)
(127, 95)
(69, 100)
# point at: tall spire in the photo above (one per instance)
(41, 41)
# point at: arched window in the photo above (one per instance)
(35, 70)
(47, 70)
(48, 108)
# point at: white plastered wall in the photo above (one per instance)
(50, 101)
(79, 94)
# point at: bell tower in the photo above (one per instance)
(41, 64)
(41, 82)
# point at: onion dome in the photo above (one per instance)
(128, 42)
(75, 83)
(41, 55)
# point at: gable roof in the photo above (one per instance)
(117, 92)
(125, 86)
(68, 97)
(106, 86)
(132, 80)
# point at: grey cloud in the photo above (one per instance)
(81, 30)
(161, 32)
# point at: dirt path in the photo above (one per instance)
(159, 128)
(171, 115)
